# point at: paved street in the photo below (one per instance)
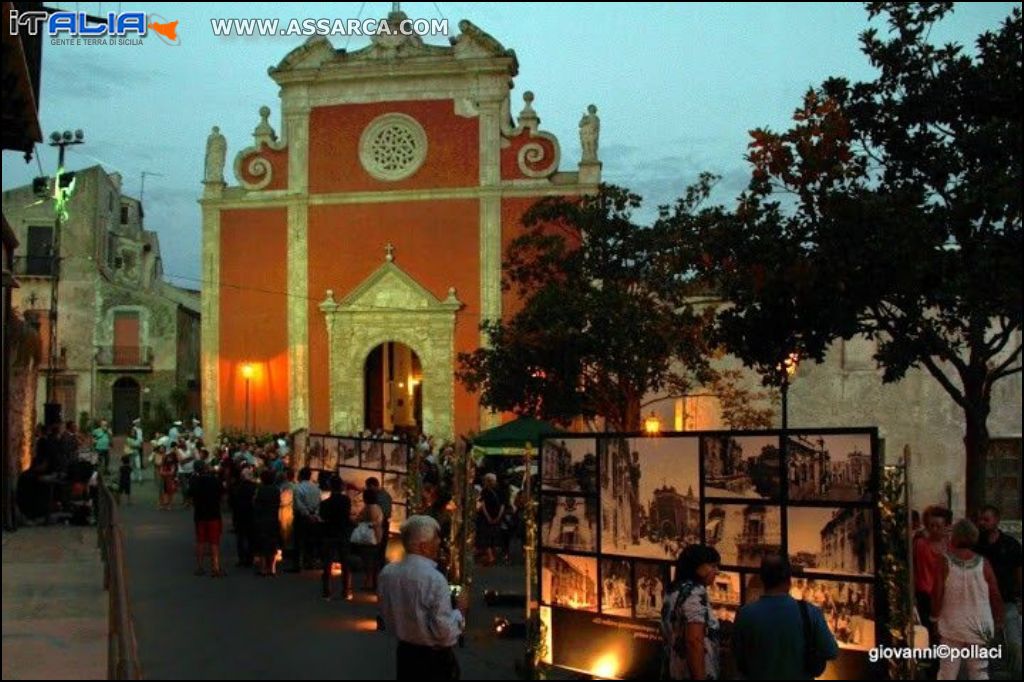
(242, 626)
(54, 606)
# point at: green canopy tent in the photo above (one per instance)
(510, 439)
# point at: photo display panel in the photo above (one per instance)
(615, 511)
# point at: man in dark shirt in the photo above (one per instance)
(1004, 554)
(336, 514)
(206, 494)
(769, 640)
(384, 501)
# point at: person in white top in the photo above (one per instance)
(133, 445)
(967, 601)
(416, 606)
(197, 429)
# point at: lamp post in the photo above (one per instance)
(62, 188)
(247, 373)
(787, 370)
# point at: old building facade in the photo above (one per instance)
(361, 248)
(846, 390)
(127, 340)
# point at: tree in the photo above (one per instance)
(892, 208)
(599, 326)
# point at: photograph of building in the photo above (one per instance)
(741, 466)
(831, 540)
(724, 595)
(742, 533)
(650, 505)
(570, 465)
(569, 581)
(569, 523)
(616, 587)
(833, 468)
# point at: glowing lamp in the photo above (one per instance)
(789, 365)
(652, 425)
(607, 666)
(247, 370)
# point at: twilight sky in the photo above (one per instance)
(677, 87)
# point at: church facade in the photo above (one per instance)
(360, 247)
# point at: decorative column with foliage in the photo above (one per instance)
(894, 573)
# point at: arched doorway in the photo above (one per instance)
(126, 395)
(393, 389)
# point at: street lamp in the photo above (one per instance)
(63, 185)
(247, 371)
(787, 370)
(652, 425)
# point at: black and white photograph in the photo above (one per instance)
(568, 523)
(354, 483)
(649, 587)
(372, 456)
(724, 595)
(650, 496)
(743, 533)
(330, 454)
(348, 452)
(569, 465)
(829, 468)
(741, 466)
(569, 581)
(399, 513)
(395, 485)
(315, 452)
(848, 607)
(396, 456)
(616, 587)
(832, 540)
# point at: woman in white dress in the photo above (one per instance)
(967, 601)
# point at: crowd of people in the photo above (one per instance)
(967, 577)
(967, 584)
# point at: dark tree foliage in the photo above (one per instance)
(891, 208)
(599, 328)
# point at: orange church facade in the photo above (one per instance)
(361, 248)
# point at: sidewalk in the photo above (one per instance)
(54, 605)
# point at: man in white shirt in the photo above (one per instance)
(197, 429)
(416, 606)
(306, 504)
(186, 466)
(133, 445)
(174, 433)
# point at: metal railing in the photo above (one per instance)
(35, 266)
(122, 647)
(124, 356)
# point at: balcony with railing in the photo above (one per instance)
(35, 266)
(124, 358)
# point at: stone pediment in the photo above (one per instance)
(318, 52)
(312, 54)
(391, 288)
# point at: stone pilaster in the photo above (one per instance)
(210, 300)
